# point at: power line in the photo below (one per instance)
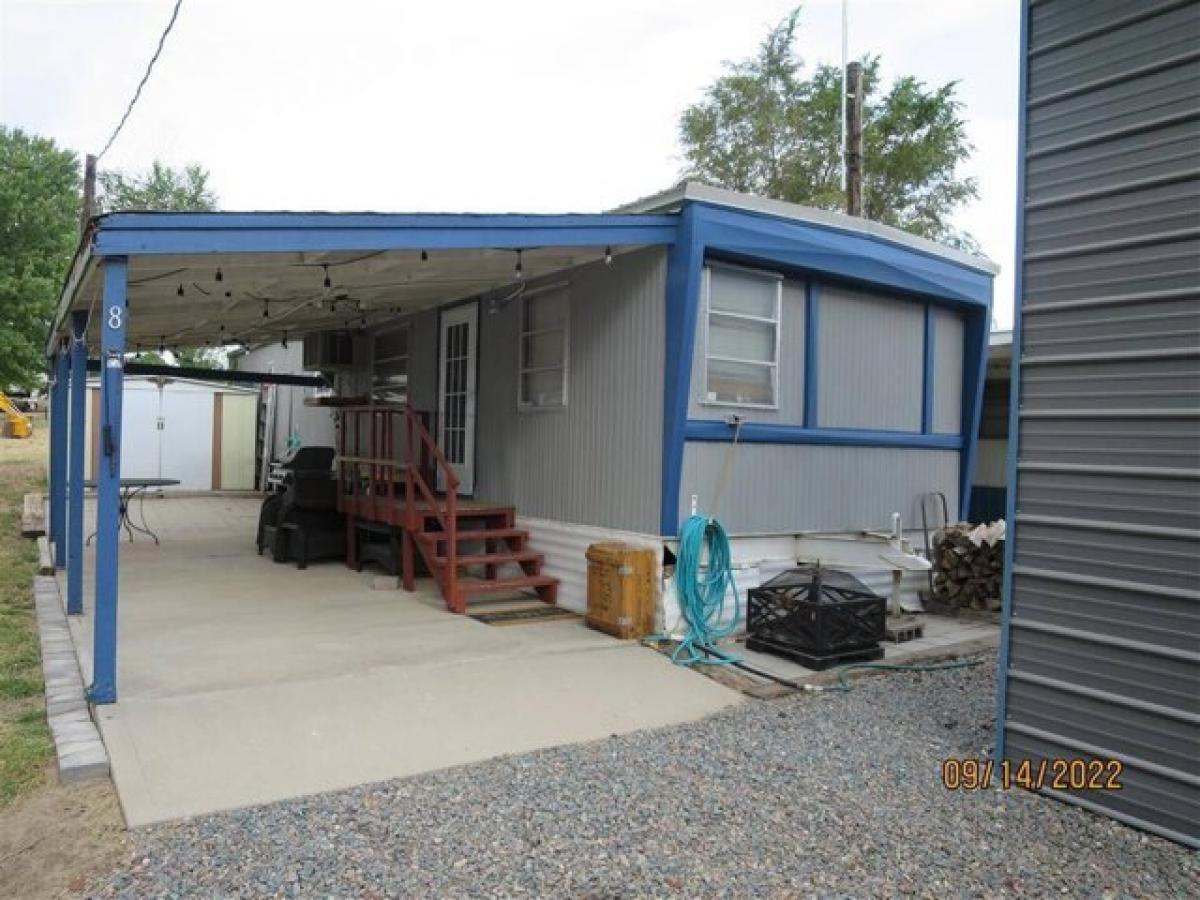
(145, 77)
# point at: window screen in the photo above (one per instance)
(742, 337)
(543, 376)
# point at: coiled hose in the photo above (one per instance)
(703, 595)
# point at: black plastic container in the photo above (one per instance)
(817, 617)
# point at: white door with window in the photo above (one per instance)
(456, 393)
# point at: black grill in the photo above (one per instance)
(817, 617)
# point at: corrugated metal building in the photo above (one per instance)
(1101, 651)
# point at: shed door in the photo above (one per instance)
(141, 410)
(187, 433)
(456, 393)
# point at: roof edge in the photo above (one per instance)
(697, 191)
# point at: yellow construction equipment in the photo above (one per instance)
(19, 424)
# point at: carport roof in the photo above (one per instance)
(231, 277)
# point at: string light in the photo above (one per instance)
(284, 340)
(519, 270)
(424, 256)
(328, 282)
(162, 345)
(266, 313)
(608, 256)
(220, 276)
(179, 290)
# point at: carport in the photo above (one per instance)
(160, 280)
(243, 681)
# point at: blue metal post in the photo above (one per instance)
(812, 353)
(927, 379)
(685, 262)
(58, 458)
(113, 313)
(76, 441)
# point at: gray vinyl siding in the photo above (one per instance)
(871, 370)
(947, 371)
(787, 488)
(791, 366)
(1104, 637)
(599, 460)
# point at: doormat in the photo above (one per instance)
(527, 616)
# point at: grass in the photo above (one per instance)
(25, 746)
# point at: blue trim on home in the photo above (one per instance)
(975, 358)
(685, 261)
(1014, 418)
(129, 234)
(113, 314)
(766, 433)
(76, 442)
(812, 352)
(804, 247)
(927, 380)
(57, 525)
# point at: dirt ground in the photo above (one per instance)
(53, 838)
(56, 838)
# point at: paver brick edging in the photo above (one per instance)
(77, 745)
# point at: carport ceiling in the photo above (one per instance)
(253, 298)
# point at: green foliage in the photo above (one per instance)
(763, 129)
(39, 221)
(188, 357)
(160, 189)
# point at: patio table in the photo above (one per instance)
(135, 489)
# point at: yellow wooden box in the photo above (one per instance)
(620, 593)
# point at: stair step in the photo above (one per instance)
(498, 558)
(476, 534)
(507, 584)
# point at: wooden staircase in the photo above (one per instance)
(466, 545)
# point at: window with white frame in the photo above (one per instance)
(543, 372)
(741, 348)
(389, 365)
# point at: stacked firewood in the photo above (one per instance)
(968, 565)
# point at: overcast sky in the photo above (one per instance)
(466, 106)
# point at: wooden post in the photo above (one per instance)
(854, 139)
(406, 548)
(89, 192)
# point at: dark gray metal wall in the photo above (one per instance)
(1102, 642)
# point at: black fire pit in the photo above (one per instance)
(817, 617)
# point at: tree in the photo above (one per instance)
(39, 221)
(764, 129)
(160, 188)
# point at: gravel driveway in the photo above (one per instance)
(836, 794)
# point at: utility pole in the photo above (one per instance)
(854, 142)
(89, 191)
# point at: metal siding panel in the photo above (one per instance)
(791, 367)
(598, 461)
(1104, 637)
(871, 360)
(786, 488)
(947, 372)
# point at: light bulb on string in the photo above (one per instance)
(284, 341)
(220, 275)
(608, 256)
(519, 270)
(266, 312)
(424, 256)
(179, 290)
(328, 282)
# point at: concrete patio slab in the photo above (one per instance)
(242, 681)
